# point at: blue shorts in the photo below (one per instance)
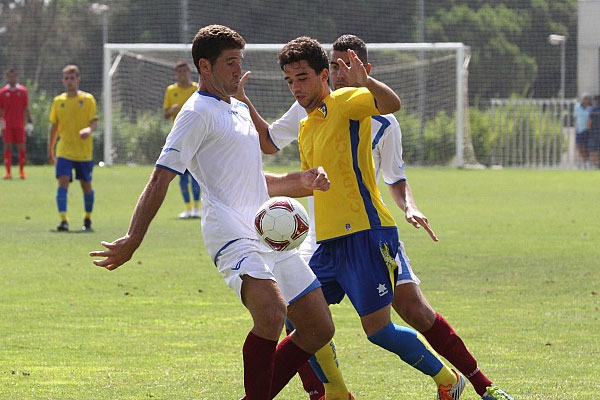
(362, 265)
(83, 169)
(581, 138)
(593, 143)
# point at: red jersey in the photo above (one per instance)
(13, 102)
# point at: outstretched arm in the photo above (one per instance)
(262, 126)
(297, 184)
(387, 100)
(121, 250)
(402, 195)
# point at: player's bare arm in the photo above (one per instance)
(387, 100)
(121, 250)
(88, 130)
(402, 195)
(171, 110)
(297, 184)
(262, 126)
(52, 134)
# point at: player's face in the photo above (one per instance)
(225, 74)
(70, 81)
(308, 87)
(182, 74)
(338, 80)
(12, 78)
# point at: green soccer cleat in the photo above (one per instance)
(452, 392)
(495, 393)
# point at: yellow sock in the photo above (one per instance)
(188, 206)
(196, 204)
(63, 216)
(88, 215)
(446, 376)
(335, 388)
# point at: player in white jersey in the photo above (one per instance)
(409, 302)
(213, 137)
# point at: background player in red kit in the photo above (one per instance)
(14, 110)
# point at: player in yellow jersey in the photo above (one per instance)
(73, 119)
(357, 234)
(175, 95)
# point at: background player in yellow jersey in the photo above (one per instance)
(73, 119)
(175, 95)
(358, 236)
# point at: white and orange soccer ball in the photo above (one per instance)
(281, 223)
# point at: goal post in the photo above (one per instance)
(135, 77)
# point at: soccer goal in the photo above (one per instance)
(431, 79)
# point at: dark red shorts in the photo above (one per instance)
(13, 135)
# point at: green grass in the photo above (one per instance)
(516, 272)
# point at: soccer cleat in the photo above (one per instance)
(63, 226)
(495, 393)
(195, 213)
(185, 215)
(350, 397)
(7, 176)
(87, 225)
(22, 175)
(452, 392)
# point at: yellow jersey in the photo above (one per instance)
(337, 135)
(177, 95)
(70, 115)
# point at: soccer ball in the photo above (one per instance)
(281, 223)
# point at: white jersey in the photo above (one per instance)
(217, 142)
(386, 146)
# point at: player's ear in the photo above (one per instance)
(204, 65)
(324, 75)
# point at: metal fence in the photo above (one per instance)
(533, 133)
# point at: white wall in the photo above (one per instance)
(588, 47)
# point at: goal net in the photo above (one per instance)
(429, 77)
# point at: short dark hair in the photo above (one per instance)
(352, 42)
(11, 71)
(597, 98)
(211, 40)
(304, 48)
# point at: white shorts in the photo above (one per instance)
(405, 272)
(249, 257)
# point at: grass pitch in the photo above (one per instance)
(516, 272)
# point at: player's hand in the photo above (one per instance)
(173, 109)
(316, 179)
(51, 158)
(241, 93)
(355, 74)
(116, 254)
(85, 133)
(417, 219)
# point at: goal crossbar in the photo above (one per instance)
(109, 67)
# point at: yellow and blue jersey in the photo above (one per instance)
(337, 136)
(178, 95)
(70, 115)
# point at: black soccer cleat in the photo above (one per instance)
(63, 226)
(87, 225)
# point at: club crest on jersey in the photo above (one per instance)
(348, 227)
(80, 103)
(323, 110)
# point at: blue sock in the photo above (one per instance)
(61, 199)
(88, 201)
(195, 189)
(406, 344)
(183, 185)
